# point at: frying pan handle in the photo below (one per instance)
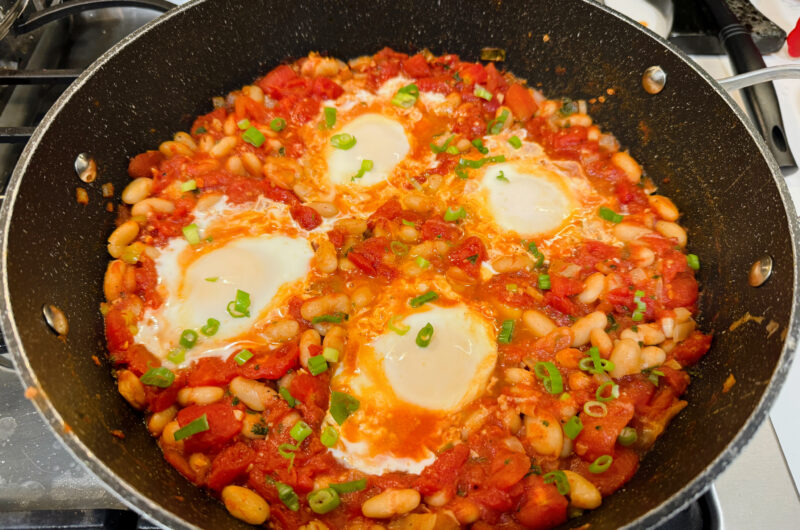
(773, 73)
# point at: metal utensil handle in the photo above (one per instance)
(772, 73)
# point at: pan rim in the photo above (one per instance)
(135, 500)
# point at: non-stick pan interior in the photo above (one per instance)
(687, 137)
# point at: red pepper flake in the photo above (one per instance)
(118, 434)
(728, 384)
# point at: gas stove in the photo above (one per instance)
(43, 486)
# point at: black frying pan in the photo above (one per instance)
(691, 139)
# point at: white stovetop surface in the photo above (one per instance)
(757, 491)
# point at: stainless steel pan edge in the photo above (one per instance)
(132, 498)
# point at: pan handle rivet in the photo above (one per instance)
(654, 79)
(86, 167)
(760, 271)
(56, 319)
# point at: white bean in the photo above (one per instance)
(252, 393)
(199, 395)
(628, 165)
(582, 493)
(159, 420)
(245, 504)
(584, 326)
(592, 288)
(626, 357)
(652, 356)
(131, 389)
(390, 503)
(137, 190)
(672, 231)
(539, 323)
(544, 434)
(664, 207)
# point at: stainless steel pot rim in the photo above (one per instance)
(166, 519)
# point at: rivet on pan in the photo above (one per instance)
(654, 79)
(760, 271)
(86, 168)
(56, 319)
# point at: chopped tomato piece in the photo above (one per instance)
(561, 286)
(520, 101)
(325, 88)
(439, 229)
(211, 371)
(681, 291)
(469, 255)
(118, 334)
(543, 506)
(229, 464)
(442, 473)
(308, 218)
(417, 66)
(222, 426)
(142, 165)
(368, 257)
(272, 364)
(508, 469)
(599, 435)
(622, 468)
(692, 349)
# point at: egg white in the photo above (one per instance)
(378, 139)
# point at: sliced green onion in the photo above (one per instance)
(533, 249)
(425, 335)
(601, 390)
(609, 215)
(177, 355)
(317, 365)
(287, 451)
(189, 185)
(254, 137)
(287, 396)
(408, 223)
(331, 354)
(160, 377)
(594, 363)
(188, 338)
(350, 487)
(637, 316)
(330, 117)
(430, 296)
(502, 178)
(550, 376)
(479, 163)
(343, 141)
(444, 147)
(193, 427)
(496, 125)
(400, 329)
(324, 500)
(627, 436)
(601, 463)
(506, 331)
(300, 431)
(406, 96)
(192, 234)
(515, 142)
(573, 427)
(200, 130)
(544, 281)
(398, 248)
(329, 437)
(212, 279)
(452, 150)
(511, 287)
(653, 375)
(693, 261)
(559, 478)
(278, 124)
(455, 215)
(287, 496)
(211, 327)
(242, 357)
(422, 263)
(590, 406)
(342, 406)
(333, 318)
(239, 307)
(478, 143)
(482, 93)
(366, 165)
(243, 124)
